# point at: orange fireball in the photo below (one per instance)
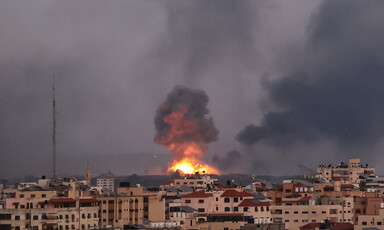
(192, 166)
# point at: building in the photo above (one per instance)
(107, 184)
(195, 181)
(132, 205)
(60, 205)
(348, 173)
(371, 221)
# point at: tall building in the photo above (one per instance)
(131, 205)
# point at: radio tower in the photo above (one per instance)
(54, 126)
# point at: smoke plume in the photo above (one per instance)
(182, 124)
(335, 90)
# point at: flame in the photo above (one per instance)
(186, 143)
(189, 162)
(192, 166)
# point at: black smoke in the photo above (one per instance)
(336, 88)
(194, 125)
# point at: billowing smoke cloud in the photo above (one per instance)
(182, 124)
(335, 91)
(192, 126)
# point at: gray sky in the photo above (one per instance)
(308, 73)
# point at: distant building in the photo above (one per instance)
(196, 181)
(347, 173)
(107, 184)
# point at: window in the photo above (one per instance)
(379, 223)
(111, 201)
(6, 216)
(295, 221)
(21, 195)
(227, 209)
(286, 212)
(217, 198)
(187, 201)
(235, 209)
(256, 209)
(313, 212)
(235, 199)
(66, 217)
(201, 201)
(22, 206)
(295, 212)
(35, 217)
(305, 212)
(17, 217)
(226, 200)
(217, 208)
(364, 223)
(245, 209)
(17, 228)
(32, 195)
(201, 210)
(104, 201)
(104, 211)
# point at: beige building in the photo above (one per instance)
(371, 221)
(348, 173)
(312, 210)
(196, 181)
(131, 205)
(54, 205)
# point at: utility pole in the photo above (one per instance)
(54, 126)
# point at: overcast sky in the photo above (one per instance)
(289, 82)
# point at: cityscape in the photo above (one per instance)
(191, 115)
(337, 196)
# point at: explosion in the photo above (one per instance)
(182, 126)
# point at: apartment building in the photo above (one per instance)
(348, 173)
(107, 184)
(131, 205)
(58, 206)
(371, 221)
(313, 210)
(195, 181)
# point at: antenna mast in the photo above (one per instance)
(54, 126)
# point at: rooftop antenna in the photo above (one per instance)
(54, 126)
